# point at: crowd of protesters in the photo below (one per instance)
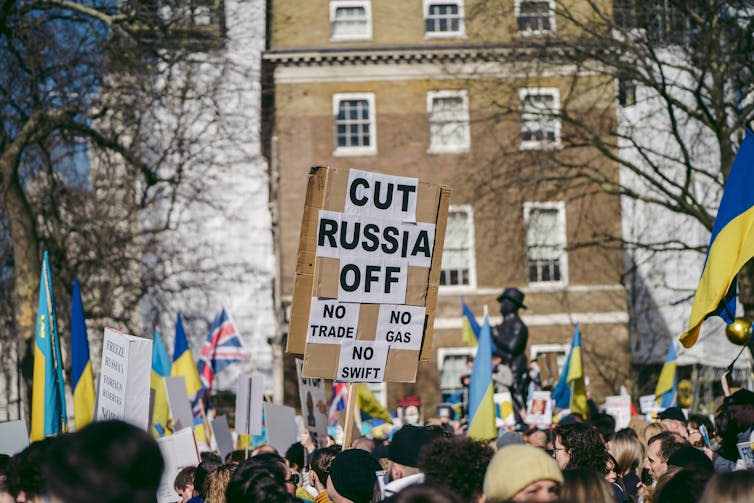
(675, 459)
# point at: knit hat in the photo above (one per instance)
(740, 397)
(407, 442)
(514, 468)
(672, 413)
(509, 438)
(352, 473)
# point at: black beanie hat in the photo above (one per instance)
(407, 442)
(352, 473)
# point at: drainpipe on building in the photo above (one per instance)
(278, 351)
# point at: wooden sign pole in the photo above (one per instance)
(350, 410)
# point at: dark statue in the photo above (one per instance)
(510, 338)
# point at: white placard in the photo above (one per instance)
(539, 409)
(375, 280)
(180, 408)
(249, 395)
(313, 405)
(401, 326)
(362, 361)
(504, 404)
(123, 391)
(14, 437)
(223, 436)
(340, 235)
(619, 406)
(382, 196)
(747, 455)
(179, 451)
(280, 421)
(647, 404)
(332, 322)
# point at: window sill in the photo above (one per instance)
(351, 38)
(354, 152)
(430, 35)
(457, 289)
(541, 145)
(448, 150)
(547, 286)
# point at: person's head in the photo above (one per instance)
(264, 449)
(627, 451)
(537, 438)
(684, 485)
(200, 476)
(363, 443)
(691, 458)
(740, 407)
(695, 422)
(237, 456)
(457, 463)
(217, 483)
(507, 438)
(611, 471)
(729, 487)
(320, 466)
(605, 425)
(352, 477)
(403, 451)
(295, 456)
(184, 483)
(659, 449)
(259, 480)
(25, 478)
(210, 456)
(522, 473)
(5, 495)
(674, 420)
(426, 493)
(579, 444)
(585, 485)
(650, 431)
(109, 461)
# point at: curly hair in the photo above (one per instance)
(456, 463)
(217, 482)
(584, 445)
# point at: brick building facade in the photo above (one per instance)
(458, 93)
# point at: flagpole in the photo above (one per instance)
(350, 411)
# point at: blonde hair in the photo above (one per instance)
(729, 487)
(627, 450)
(217, 482)
(650, 431)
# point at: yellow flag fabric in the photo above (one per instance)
(575, 379)
(161, 408)
(368, 404)
(83, 398)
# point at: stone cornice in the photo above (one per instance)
(429, 54)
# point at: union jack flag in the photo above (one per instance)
(222, 347)
(339, 400)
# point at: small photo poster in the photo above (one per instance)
(539, 409)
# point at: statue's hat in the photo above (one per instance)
(514, 295)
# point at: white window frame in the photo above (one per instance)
(442, 353)
(517, 14)
(549, 205)
(472, 258)
(461, 32)
(355, 151)
(365, 4)
(541, 91)
(539, 349)
(450, 149)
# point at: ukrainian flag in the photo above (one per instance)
(185, 366)
(160, 370)
(82, 378)
(481, 403)
(731, 245)
(369, 406)
(470, 333)
(48, 411)
(570, 392)
(667, 384)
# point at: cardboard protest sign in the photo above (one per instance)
(178, 451)
(539, 409)
(504, 409)
(747, 454)
(280, 422)
(647, 403)
(249, 395)
(619, 406)
(123, 391)
(223, 436)
(314, 411)
(14, 437)
(180, 408)
(368, 270)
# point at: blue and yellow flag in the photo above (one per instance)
(481, 402)
(470, 333)
(82, 378)
(160, 370)
(48, 411)
(185, 366)
(570, 392)
(667, 384)
(731, 245)
(368, 405)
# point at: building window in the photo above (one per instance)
(453, 364)
(458, 267)
(626, 92)
(545, 242)
(351, 20)
(534, 16)
(443, 18)
(448, 121)
(540, 126)
(354, 124)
